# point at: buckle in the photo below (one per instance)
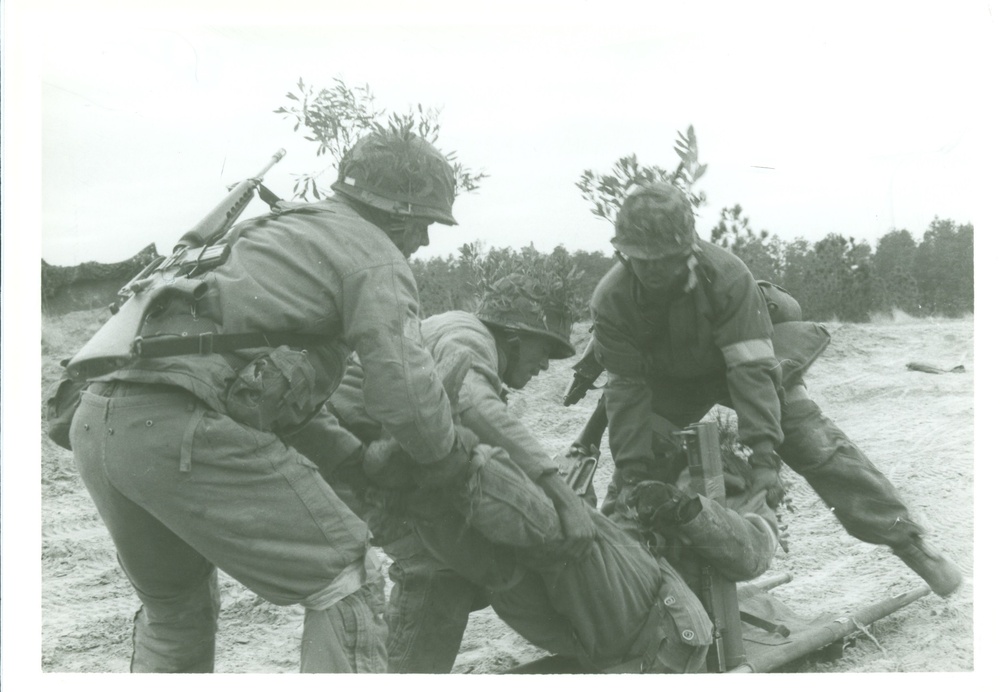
(205, 343)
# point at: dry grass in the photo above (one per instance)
(915, 426)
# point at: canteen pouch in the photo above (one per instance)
(282, 390)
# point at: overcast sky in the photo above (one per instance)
(855, 119)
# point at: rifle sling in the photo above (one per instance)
(208, 343)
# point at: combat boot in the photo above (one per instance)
(940, 573)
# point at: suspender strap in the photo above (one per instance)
(208, 343)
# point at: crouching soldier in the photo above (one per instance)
(512, 534)
(501, 531)
(680, 325)
(512, 336)
(184, 451)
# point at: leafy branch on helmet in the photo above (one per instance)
(606, 192)
(505, 278)
(337, 116)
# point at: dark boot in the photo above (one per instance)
(940, 573)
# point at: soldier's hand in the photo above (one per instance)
(582, 451)
(575, 518)
(626, 478)
(453, 467)
(765, 475)
(661, 505)
(387, 465)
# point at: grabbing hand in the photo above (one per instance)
(387, 465)
(661, 505)
(765, 476)
(574, 516)
(453, 466)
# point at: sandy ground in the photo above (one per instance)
(917, 427)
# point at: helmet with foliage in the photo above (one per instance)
(781, 304)
(655, 221)
(528, 292)
(400, 173)
(510, 303)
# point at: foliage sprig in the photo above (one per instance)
(337, 116)
(606, 192)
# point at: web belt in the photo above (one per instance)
(210, 342)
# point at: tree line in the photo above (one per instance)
(834, 279)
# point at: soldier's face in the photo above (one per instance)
(410, 235)
(661, 275)
(533, 357)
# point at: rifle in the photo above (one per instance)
(578, 465)
(718, 594)
(117, 342)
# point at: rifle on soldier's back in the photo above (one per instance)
(117, 341)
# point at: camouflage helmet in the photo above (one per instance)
(508, 303)
(655, 221)
(399, 173)
(781, 305)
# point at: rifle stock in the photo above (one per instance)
(111, 347)
(114, 344)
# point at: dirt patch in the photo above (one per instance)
(917, 427)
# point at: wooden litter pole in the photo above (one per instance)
(816, 638)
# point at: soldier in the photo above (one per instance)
(558, 572)
(680, 325)
(616, 604)
(185, 455)
(510, 339)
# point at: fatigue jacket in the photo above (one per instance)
(482, 398)
(320, 269)
(482, 403)
(739, 538)
(718, 332)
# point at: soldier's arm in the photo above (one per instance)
(742, 331)
(740, 544)
(401, 388)
(627, 395)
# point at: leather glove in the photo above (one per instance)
(661, 505)
(454, 466)
(626, 478)
(765, 476)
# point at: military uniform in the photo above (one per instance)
(617, 603)
(185, 457)
(430, 604)
(714, 345)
